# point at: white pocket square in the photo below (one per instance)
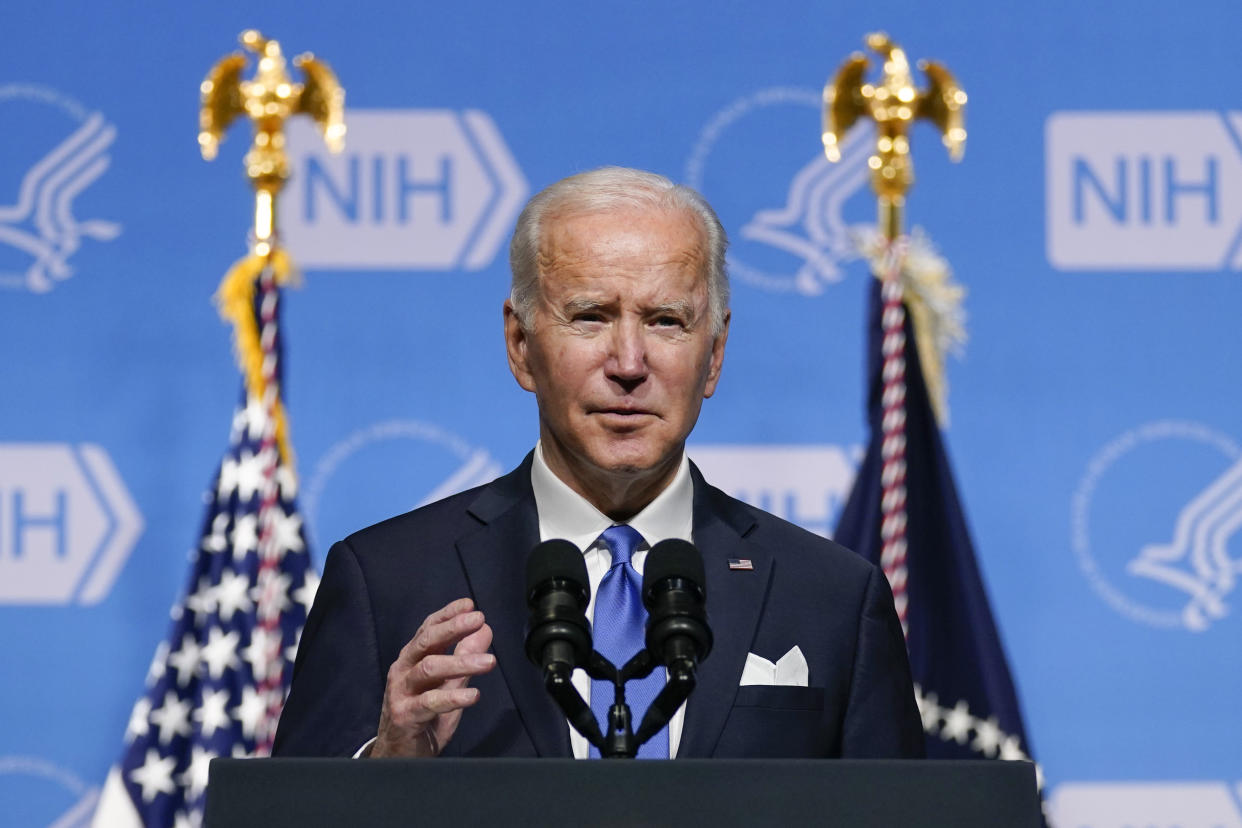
(790, 670)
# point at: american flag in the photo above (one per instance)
(216, 685)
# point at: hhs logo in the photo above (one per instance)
(386, 469)
(1144, 190)
(1157, 521)
(796, 236)
(806, 485)
(58, 158)
(67, 524)
(415, 189)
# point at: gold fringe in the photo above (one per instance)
(235, 301)
(930, 359)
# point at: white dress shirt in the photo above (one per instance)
(563, 513)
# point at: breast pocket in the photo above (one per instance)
(780, 697)
(776, 723)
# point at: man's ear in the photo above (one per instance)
(717, 359)
(516, 346)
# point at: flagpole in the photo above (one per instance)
(894, 105)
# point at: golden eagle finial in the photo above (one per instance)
(894, 104)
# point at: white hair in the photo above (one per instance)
(609, 188)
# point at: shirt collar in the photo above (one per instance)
(563, 513)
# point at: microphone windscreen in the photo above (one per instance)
(558, 559)
(673, 558)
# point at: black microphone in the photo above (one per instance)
(677, 632)
(557, 592)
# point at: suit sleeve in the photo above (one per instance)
(338, 683)
(881, 718)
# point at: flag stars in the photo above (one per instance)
(195, 776)
(139, 725)
(250, 474)
(305, 594)
(213, 714)
(226, 481)
(232, 594)
(987, 737)
(286, 533)
(201, 602)
(271, 593)
(186, 659)
(221, 652)
(245, 536)
(172, 718)
(260, 652)
(1010, 749)
(154, 776)
(957, 723)
(250, 712)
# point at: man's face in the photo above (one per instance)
(622, 353)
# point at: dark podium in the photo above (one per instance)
(692, 792)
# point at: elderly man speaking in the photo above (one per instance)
(617, 323)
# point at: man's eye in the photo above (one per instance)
(669, 322)
(588, 317)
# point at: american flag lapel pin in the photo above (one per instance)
(742, 564)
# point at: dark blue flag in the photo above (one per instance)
(964, 688)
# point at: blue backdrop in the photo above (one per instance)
(1096, 221)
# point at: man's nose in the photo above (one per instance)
(627, 362)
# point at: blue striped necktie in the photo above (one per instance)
(619, 633)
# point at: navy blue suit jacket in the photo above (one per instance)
(379, 584)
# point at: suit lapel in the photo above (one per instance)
(494, 560)
(735, 601)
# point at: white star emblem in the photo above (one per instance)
(987, 737)
(195, 776)
(249, 475)
(251, 711)
(255, 417)
(263, 649)
(172, 718)
(217, 541)
(245, 536)
(1011, 750)
(138, 724)
(227, 482)
(185, 660)
(957, 723)
(201, 602)
(213, 714)
(287, 481)
(221, 652)
(271, 593)
(286, 533)
(305, 594)
(929, 710)
(155, 775)
(231, 594)
(158, 664)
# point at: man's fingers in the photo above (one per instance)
(449, 610)
(439, 636)
(476, 642)
(434, 670)
(425, 707)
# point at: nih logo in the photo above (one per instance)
(804, 484)
(67, 523)
(1144, 190)
(417, 189)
